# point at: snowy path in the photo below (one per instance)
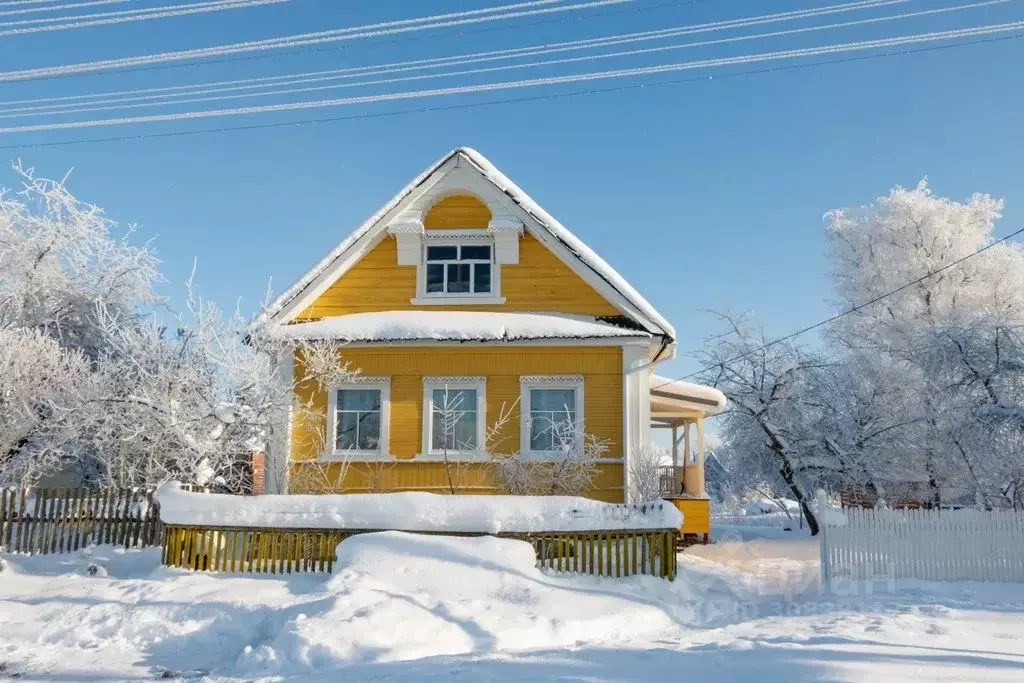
(475, 609)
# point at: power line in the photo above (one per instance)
(511, 100)
(849, 311)
(52, 7)
(400, 26)
(124, 16)
(404, 40)
(254, 83)
(529, 83)
(176, 95)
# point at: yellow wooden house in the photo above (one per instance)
(463, 289)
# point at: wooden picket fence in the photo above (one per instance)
(60, 520)
(284, 551)
(960, 545)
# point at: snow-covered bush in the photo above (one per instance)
(645, 472)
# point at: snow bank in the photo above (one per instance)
(412, 511)
(767, 506)
(407, 596)
(384, 326)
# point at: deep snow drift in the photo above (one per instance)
(404, 605)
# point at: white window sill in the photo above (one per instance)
(453, 456)
(455, 300)
(355, 456)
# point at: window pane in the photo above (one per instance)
(440, 439)
(465, 431)
(476, 253)
(453, 419)
(556, 400)
(369, 431)
(481, 277)
(359, 399)
(435, 277)
(540, 435)
(458, 278)
(442, 253)
(347, 425)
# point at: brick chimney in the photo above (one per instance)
(259, 473)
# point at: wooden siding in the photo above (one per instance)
(457, 212)
(601, 368)
(539, 282)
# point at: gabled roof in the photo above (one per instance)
(601, 275)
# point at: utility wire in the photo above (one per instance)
(124, 16)
(52, 7)
(404, 40)
(140, 94)
(182, 95)
(843, 314)
(529, 83)
(511, 100)
(400, 26)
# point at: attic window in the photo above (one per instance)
(463, 269)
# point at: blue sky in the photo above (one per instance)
(705, 195)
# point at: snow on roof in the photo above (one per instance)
(385, 326)
(560, 232)
(411, 511)
(584, 253)
(688, 391)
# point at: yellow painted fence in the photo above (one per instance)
(284, 551)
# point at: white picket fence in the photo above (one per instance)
(960, 545)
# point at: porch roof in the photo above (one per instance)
(674, 401)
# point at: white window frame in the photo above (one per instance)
(528, 382)
(458, 238)
(455, 382)
(382, 452)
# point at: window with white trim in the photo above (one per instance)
(462, 269)
(553, 414)
(358, 418)
(453, 415)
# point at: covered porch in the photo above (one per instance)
(682, 408)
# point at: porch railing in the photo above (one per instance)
(670, 480)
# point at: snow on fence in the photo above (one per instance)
(948, 545)
(283, 534)
(65, 519)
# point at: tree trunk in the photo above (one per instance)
(789, 476)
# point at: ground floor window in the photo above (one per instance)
(453, 415)
(553, 412)
(359, 418)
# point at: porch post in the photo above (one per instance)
(675, 445)
(700, 457)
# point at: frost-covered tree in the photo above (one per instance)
(773, 404)
(93, 377)
(935, 368)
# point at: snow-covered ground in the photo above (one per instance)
(427, 607)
